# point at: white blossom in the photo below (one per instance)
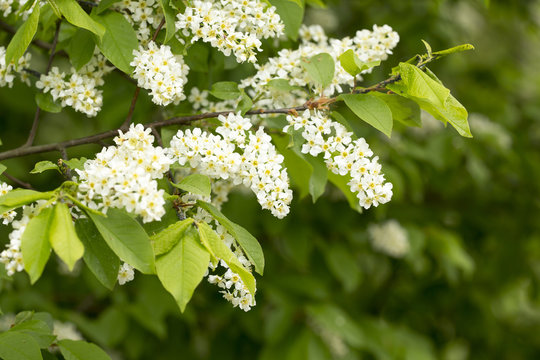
(124, 176)
(232, 26)
(66, 331)
(389, 238)
(125, 274)
(8, 71)
(343, 156)
(157, 69)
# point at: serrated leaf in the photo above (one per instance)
(247, 242)
(321, 68)
(245, 104)
(119, 40)
(165, 240)
(98, 256)
(127, 238)
(222, 251)
(23, 37)
(183, 267)
(291, 13)
(81, 48)
(371, 109)
(225, 90)
(81, 350)
(75, 15)
(35, 246)
(196, 184)
(282, 85)
(46, 102)
(18, 346)
(44, 166)
(63, 237)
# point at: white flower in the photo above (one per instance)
(157, 69)
(232, 26)
(389, 238)
(124, 176)
(8, 71)
(125, 274)
(66, 331)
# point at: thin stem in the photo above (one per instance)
(129, 116)
(35, 123)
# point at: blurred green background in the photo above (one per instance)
(467, 289)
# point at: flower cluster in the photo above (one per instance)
(232, 26)
(161, 72)
(343, 155)
(368, 46)
(12, 256)
(389, 238)
(5, 7)
(8, 6)
(125, 274)
(234, 289)
(123, 176)
(239, 156)
(81, 90)
(144, 15)
(7, 71)
(66, 331)
(8, 216)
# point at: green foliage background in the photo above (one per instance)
(467, 290)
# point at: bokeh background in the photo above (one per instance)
(466, 288)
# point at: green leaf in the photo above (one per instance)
(352, 64)
(75, 163)
(222, 251)
(104, 5)
(23, 37)
(98, 256)
(298, 168)
(63, 237)
(38, 330)
(81, 48)
(119, 40)
(420, 86)
(18, 346)
(19, 197)
(291, 13)
(403, 110)
(371, 109)
(247, 242)
(75, 15)
(183, 267)
(127, 238)
(245, 104)
(35, 246)
(81, 350)
(321, 68)
(196, 184)
(2, 168)
(46, 102)
(170, 17)
(44, 166)
(166, 239)
(225, 90)
(455, 49)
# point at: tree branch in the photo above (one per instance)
(13, 179)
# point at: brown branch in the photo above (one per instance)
(17, 181)
(129, 117)
(35, 123)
